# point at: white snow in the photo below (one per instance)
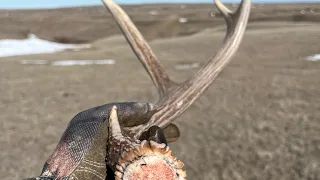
(153, 12)
(314, 57)
(183, 20)
(33, 45)
(68, 62)
(82, 62)
(303, 11)
(39, 62)
(186, 66)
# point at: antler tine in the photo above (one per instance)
(185, 94)
(174, 100)
(141, 48)
(226, 12)
(222, 8)
(228, 15)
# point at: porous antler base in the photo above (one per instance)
(140, 160)
(150, 160)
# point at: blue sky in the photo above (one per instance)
(62, 3)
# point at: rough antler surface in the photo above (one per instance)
(86, 141)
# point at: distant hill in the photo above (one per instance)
(86, 24)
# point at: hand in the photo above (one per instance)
(81, 151)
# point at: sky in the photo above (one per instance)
(18, 4)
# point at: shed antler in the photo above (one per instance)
(140, 148)
(176, 98)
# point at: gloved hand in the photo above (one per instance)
(81, 151)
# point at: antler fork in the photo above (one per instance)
(82, 148)
(175, 98)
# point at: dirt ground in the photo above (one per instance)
(258, 121)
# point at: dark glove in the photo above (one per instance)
(81, 151)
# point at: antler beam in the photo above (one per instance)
(175, 99)
(141, 48)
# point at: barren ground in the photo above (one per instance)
(259, 120)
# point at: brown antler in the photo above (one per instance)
(176, 98)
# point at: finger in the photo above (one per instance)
(132, 113)
(93, 165)
(154, 133)
(171, 132)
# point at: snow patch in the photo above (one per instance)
(187, 66)
(303, 11)
(212, 14)
(38, 62)
(34, 45)
(82, 62)
(314, 57)
(69, 62)
(183, 20)
(153, 12)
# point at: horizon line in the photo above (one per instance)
(153, 3)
